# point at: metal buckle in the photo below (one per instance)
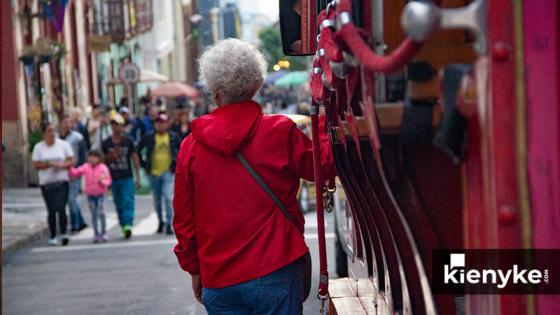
(317, 70)
(327, 23)
(328, 200)
(343, 18)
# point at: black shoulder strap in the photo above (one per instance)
(264, 186)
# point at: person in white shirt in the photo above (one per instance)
(52, 157)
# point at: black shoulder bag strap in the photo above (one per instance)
(264, 186)
(306, 259)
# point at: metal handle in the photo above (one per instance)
(422, 19)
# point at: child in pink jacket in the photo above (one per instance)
(97, 181)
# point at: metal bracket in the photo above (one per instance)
(422, 19)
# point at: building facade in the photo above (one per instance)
(58, 56)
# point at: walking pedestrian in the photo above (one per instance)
(97, 181)
(152, 112)
(134, 126)
(52, 157)
(98, 127)
(77, 125)
(119, 150)
(182, 127)
(244, 251)
(162, 147)
(76, 141)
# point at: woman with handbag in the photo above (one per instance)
(52, 157)
(238, 226)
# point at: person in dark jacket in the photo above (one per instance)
(159, 159)
(182, 127)
(134, 126)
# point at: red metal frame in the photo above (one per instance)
(510, 175)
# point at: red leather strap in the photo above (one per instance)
(352, 37)
(326, 38)
(324, 274)
(318, 91)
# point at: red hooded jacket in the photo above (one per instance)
(228, 229)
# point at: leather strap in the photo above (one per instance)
(264, 186)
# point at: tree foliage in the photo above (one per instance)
(271, 46)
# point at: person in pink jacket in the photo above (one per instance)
(97, 182)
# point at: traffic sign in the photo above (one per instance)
(129, 73)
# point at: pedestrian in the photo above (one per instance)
(152, 112)
(119, 150)
(52, 157)
(162, 147)
(134, 126)
(244, 251)
(98, 127)
(77, 125)
(76, 141)
(182, 126)
(97, 181)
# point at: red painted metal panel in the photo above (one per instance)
(9, 64)
(542, 59)
(502, 154)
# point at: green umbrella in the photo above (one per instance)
(293, 78)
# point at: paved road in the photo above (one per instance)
(139, 276)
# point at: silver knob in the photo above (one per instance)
(422, 19)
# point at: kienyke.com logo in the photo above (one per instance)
(456, 273)
(496, 271)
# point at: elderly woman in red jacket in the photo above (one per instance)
(240, 249)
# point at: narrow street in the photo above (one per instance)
(138, 276)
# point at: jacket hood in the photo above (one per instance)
(228, 127)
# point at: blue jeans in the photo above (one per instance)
(162, 188)
(278, 293)
(76, 218)
(97, 208)
(123, 196)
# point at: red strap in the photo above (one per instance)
(318, 92)
(350, 35)
(318, 172)
(326, 38)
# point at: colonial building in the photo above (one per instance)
(58, 55)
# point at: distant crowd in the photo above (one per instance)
(107, 149)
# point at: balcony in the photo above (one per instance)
(121, 19)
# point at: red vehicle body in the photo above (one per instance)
(448, 138)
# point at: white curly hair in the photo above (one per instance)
(234, 69)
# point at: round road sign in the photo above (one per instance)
(129, 73)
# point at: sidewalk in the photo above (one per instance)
(23, 218)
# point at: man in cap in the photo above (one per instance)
(162, 147)
(119, 150)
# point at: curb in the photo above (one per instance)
(22, 242)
